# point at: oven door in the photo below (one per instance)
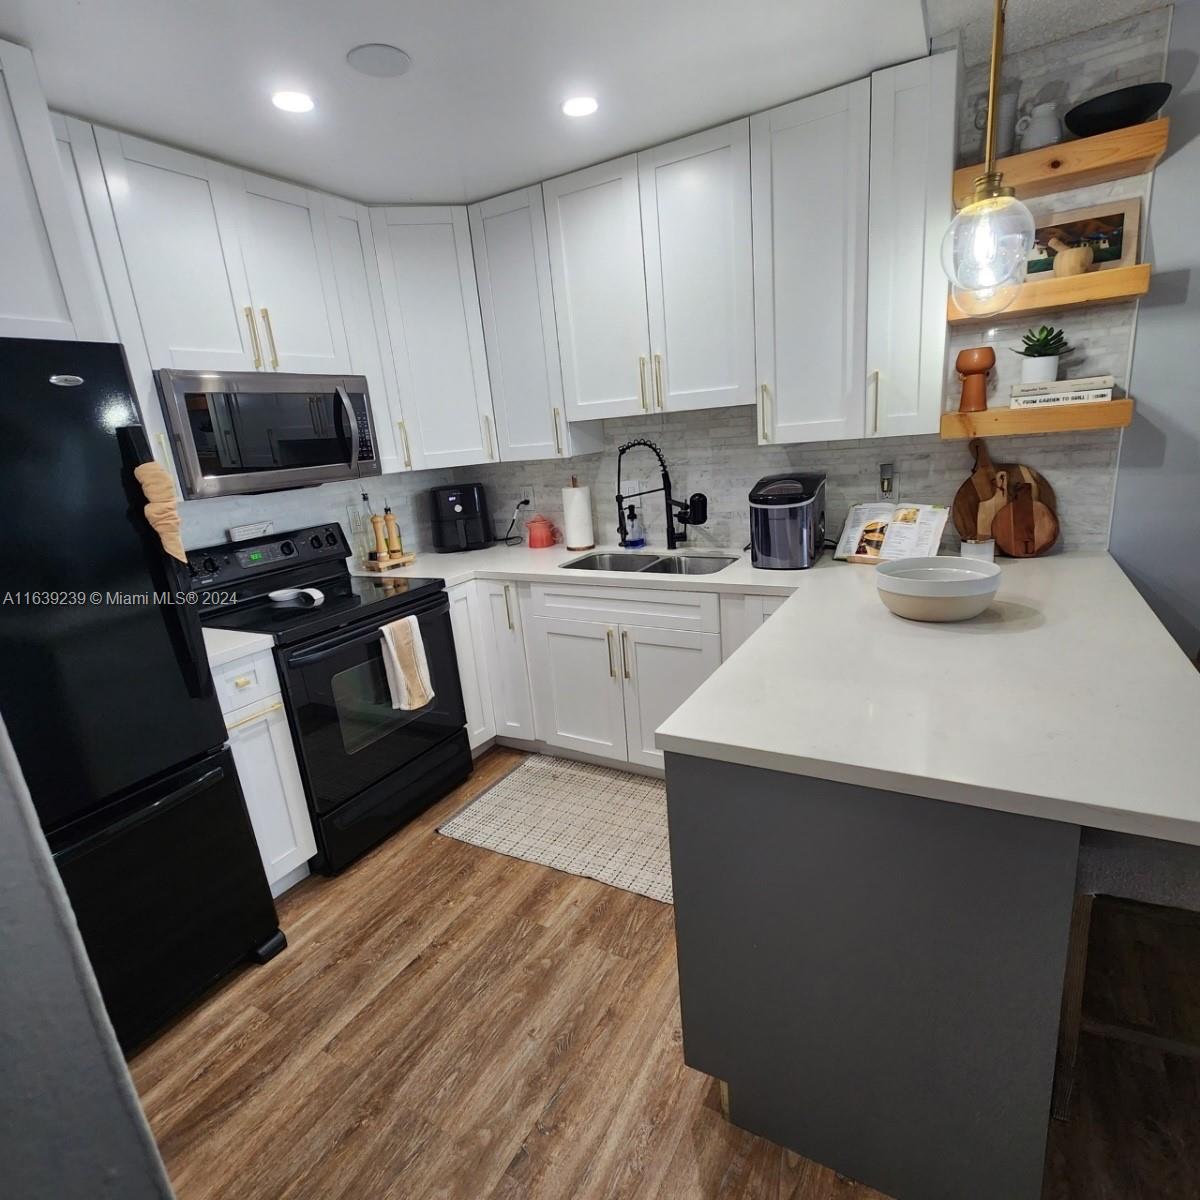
(259, 432)
(347, 732)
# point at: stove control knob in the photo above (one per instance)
(331, 538)
(315, 541)
(287, 549)
(208, 566)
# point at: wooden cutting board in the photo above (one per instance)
(989, 489)
(1026, 527)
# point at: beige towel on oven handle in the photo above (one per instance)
(405, 663)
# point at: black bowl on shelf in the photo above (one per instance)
(1116, 110)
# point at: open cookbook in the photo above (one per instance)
(880, 532)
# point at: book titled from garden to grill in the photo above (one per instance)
(1094, 389)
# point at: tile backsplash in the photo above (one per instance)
(713, 452)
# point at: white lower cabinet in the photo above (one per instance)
(508, 675)
(469, 643)
(603, 688)
(741, 616)
(266, 763)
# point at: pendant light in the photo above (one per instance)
(986, 249)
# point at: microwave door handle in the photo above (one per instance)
(345, 399)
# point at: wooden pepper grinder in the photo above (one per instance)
(380, 553)
(973, 366)
(394, 546)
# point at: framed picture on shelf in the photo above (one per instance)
(1111, 230)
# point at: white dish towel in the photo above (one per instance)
(405, 664)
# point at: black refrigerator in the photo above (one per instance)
(106, 692)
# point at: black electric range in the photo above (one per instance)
(367, 767)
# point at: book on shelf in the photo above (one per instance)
(1087, 383)
(1052, 399)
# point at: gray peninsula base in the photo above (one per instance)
(876, 976)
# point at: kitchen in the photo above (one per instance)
(565, 395)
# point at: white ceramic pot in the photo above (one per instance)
(1043, 369)
(1040, 127)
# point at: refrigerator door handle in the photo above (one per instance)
(192, 788)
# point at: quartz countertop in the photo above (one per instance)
(1067, 699)
(226, 645)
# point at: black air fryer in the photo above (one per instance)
(461, 520)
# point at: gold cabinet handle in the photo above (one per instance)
(266, 316)
(874, 378)
(658, 384)
(255, 344)
(258, 716)
(486, 422)
(508, 609)
(625, 654)
(557, 435)
(242, 681)
(766, 398)
(404, 443)
(642, 382)
(612, 670)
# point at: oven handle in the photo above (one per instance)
(345, 399)
(326, 649)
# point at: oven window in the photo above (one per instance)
(363, 704)
(237, 432)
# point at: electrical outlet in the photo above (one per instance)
(527, 493)
(887, 481)
(631, 487)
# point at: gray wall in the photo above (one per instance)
(70, 1124)
(1156, 524)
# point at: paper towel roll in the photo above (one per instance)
(577, 518)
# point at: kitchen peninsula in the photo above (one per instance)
(875, 828)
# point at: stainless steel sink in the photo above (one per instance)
(611, 560)
(657, 564)
(689, 564)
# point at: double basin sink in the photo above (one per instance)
(650, 564)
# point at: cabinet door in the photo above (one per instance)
(508, 236)
(472, 663)
(912, 166)
(175, 214)
(594, 227)
(266, 763)
(285, 247)
(574, 668)
(508, 674)
(360, 297)
(45, 287)
(695, 196)
(809, 173)
(436, 332)
(661, 668)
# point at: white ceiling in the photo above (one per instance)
(479, 111)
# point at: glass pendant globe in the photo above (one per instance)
(986, 302)
(988, 245)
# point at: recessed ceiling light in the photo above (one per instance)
(580, 106)
(297, 102)
(379, 59)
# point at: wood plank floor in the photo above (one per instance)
(447, 1022)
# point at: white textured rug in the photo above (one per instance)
(592, 821)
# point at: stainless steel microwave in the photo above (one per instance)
(236, 432)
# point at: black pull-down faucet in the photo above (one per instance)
(693, 512)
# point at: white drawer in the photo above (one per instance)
(647, 607)
(245, 680)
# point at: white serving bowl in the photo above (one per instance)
(937, 589)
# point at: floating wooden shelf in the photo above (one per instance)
(1064, 418)
(1045, 295)
(1099, 159)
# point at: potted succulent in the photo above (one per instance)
(1040, 352)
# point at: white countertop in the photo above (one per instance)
(224, 645)
(1066, 700)
(543, 566)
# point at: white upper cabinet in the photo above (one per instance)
(46, 288)
(594, 225)
(695, 197)
(285, 248)
(177, 218)
(809, 163)
(360, 297)
(512, 266)
(912, 163)
(436, 332)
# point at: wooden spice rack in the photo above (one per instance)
(1014, 422)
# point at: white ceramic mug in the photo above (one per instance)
(1040, 127)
